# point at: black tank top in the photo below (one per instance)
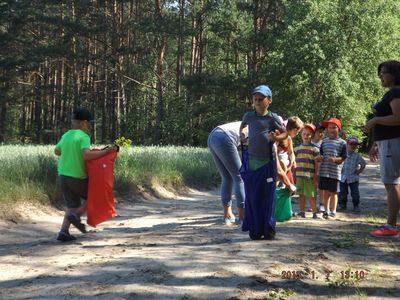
(382, 109)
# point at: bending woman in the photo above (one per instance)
(223, 142)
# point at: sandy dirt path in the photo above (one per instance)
(179, 249)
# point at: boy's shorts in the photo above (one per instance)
(389, 160)
(305, 186)
(73, 190)
(328, 184)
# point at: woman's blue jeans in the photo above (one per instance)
(228, 162)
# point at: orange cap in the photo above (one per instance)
(310, 126)
(332, 121)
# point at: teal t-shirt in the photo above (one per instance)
(71, 162)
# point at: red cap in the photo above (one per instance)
(310, 126)
(332, 121)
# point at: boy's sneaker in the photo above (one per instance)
(65, 237)
(76, 221)
(229, 221)
(325, 215)
(332, 215)
(301, 214)
(356, 209)
(385, 231)
(315, 216)
(270, 235)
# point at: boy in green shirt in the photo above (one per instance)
(73, 150)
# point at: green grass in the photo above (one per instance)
(169, 166)
(280, 293)
(29, 173)
(378, 216)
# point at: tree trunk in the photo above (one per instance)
(180, 52)
(38, 107)
(161, 43)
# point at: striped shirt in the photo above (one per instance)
(351, 165)
(336, 148)
(305, 160)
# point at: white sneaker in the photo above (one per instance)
(230, 221)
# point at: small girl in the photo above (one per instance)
(285, 148)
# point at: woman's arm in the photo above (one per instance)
(243, 132)
(391, 120)
(374, 153)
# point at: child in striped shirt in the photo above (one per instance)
(333, 153)
(306, 170)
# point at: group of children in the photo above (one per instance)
(330, 165)
(271, 159)
(317, 163)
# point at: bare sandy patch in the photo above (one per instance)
(178, 248)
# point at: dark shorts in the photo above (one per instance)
(328, 184)
(73, 190)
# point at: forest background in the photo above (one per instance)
(167, 72)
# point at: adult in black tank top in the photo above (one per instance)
(385, 126)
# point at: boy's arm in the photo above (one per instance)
(320, 155)
(316, 167)
(339, 159)
(292, 157)
(362, 163)
(89, 155)
(343, 155)
(278, 135)
(316, 172)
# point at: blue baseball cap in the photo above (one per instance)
(264, 90)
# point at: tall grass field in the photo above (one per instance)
(28, 173)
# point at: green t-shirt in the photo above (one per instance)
(71, 162)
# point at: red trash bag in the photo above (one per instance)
(100, 201)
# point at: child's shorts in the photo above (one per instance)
(305, 186)
(328, 184)
(73, 189)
